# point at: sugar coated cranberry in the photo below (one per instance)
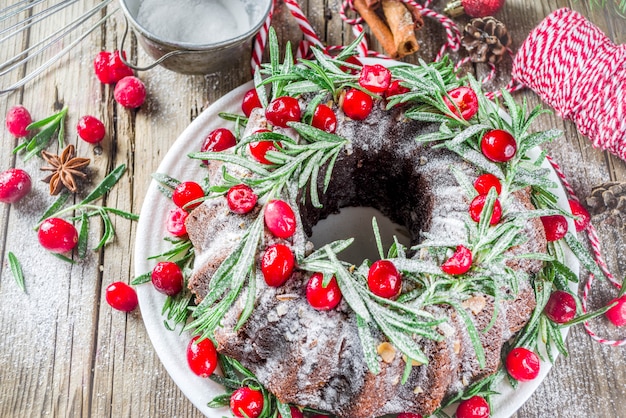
(277, 264)
(498, 145)
(485, 182)
(357, 105)
(90, 129)
(463, 98)
(282, 110)
(351, 60)
(295, 413)
(522, 364)
(617, 314)
(121, 296)
(218, 140)
(476, 207)
(130, 92)
(246, 402)
(555, 227)
(187, 192)
(201, 356)
(176, 222)
(259, 149)
(384, 279)
(15, 183)
(280, 218)
(395, 88)
(320, 297)
(17, 120)
(459, 263)
(110, 68)
(57, 235)
(583, 218)
(167, 278)
(241, 199)
(324, 118)
(250, 102)
(474, 407)
(561, 307)
(408, 415)
(375, 78)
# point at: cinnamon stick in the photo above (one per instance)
(372, 4)
(378, 27)
(402, 27)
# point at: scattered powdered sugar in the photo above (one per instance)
(193, 21)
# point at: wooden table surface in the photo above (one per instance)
(65, 352)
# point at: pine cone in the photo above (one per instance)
(486, 39)
(608, 196)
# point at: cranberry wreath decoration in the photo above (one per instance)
(267, 173)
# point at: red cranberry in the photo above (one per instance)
(474, 407)
(241, 199)
(187, 192)
(357, 105)
(408, 415)
(395, 88)
(110, 68)
(375, 78)
(277, 264)
(246, 402)
(15, 183)
(218, 140)
(121, 296)
(561, 307)
(130, 92)
(90, 129)
(250, 102)
(583, 218)
(176, 222)
(485, 182)
(459, 263)
(384, 279)
(167, 278)
(522, 364)
(498, 145)
(324, 118)
(617, 314)
(295, 413)
(351, 60)
(259, 149)
(280, 218)
(282, 110)
(17, 120)
(322, 298)
(201, 356)
(465, 99)
(57, 235)
(476, 207)
(555, 227)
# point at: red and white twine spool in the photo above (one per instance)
(577, 70)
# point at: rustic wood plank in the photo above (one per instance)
(65, 352)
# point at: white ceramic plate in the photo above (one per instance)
(171, 345)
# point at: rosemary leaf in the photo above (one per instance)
(144, 278)
(16, 271)
(348, 287)
(583, 255)
(56, 206)
(368, 345)
(105, 185)
(83, 235)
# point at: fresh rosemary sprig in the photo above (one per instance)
(39, 142)
(85, 210)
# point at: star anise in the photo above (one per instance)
(65, 168)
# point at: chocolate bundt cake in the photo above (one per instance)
(315, 358)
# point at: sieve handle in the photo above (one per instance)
(147, 67)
